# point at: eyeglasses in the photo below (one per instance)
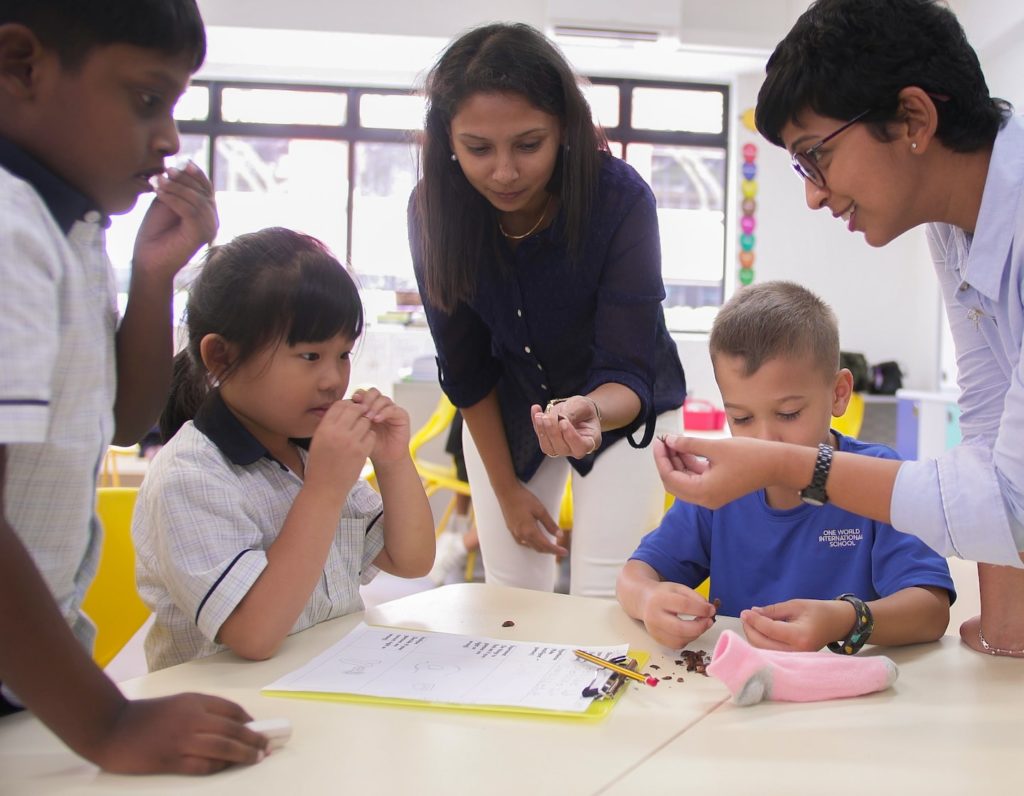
(806, 163)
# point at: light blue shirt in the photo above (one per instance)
(970, 501)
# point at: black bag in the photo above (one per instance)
(857, 364)
(886, 378)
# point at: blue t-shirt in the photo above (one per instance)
(548, 328)
(757, 555)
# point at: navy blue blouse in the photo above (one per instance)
(548, 329)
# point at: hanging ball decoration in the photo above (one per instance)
(747, 117)
(748, 190)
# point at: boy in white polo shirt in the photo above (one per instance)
(87, 89)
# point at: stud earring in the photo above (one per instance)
(913, 145)
(454, 158)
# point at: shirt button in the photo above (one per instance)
(519, 313)
(964, 286)
(544, 387)
(527, 349)
(92, 217)
(540, 367)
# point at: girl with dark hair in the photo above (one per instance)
(253, 522)
(886, 113)
(538, 260)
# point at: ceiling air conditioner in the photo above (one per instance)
(614, 20)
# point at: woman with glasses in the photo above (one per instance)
(886, 113)
(539, 263)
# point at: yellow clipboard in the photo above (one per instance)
(599, 708)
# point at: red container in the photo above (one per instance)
(701, 415)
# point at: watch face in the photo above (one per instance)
(813, 498)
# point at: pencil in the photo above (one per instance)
(616, 668)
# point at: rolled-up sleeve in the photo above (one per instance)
(628, 314)
(199, 538)
(969, 501)
(29, 307)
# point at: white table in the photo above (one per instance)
(957, 711)
(952, 724)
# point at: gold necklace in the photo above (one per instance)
(532, 229)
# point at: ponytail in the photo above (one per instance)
(189, 389)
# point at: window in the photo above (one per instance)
(676, 136)
(340, 163)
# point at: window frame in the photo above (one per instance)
(353, 133)
(625, 134)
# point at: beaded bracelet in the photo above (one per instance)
(861, 630)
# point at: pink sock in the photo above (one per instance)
(753, 674)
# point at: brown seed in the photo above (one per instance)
(508, 623)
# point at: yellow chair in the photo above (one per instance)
(852, 419)
(110, 475)
(112, 602)
(436, 476)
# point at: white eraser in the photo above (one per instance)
(277, 730)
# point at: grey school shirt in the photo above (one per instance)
(213, 502)
(58, 315)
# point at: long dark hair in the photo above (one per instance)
(843, 57)
(259, 290)
(458, 231)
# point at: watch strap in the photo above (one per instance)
(815, 492)
(861, 630)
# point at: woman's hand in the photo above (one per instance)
(568, 428)
(529, 522)
(390, 424)
(798, 625)
(971, 634)
(712, 473)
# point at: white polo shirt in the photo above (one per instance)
(212, 504)
(58, 315)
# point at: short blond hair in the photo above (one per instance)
(777, 319)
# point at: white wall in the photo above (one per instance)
(886, 299)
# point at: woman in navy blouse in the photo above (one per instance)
(538, 260)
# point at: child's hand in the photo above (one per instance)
(181, 219)
(798, 625)
(664, 607)
(390, 426)
(339, 448)
(181, 734)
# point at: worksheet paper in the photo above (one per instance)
(443, 667)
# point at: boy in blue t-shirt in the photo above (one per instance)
(87, 91)
(799, 576)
